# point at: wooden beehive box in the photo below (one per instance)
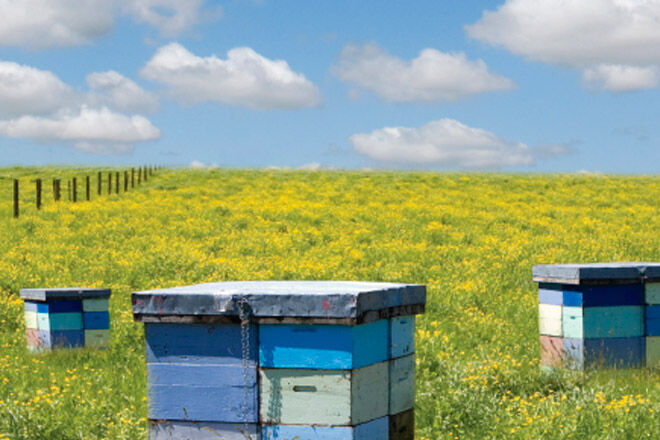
(598, 315)
(66, 317)
(308, 360)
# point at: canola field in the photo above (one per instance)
(471, 238)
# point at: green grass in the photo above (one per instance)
(472, 239)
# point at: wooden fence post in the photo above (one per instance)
(109, 183)
(117, 182)
(87, 187)
(55, 189)
(100, 180)
(68, 189)
(139, 176)
(132, 177)
(144, 171)
(125, 181)
(15, 198)
(74, 190)
(38, 194)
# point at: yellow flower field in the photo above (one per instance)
(471, 238)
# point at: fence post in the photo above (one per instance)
(117, 182)
(87, 187)
(55, 189)
(125, 181)
(139, 176)
(74, 190)
(132, 177)
(100, 180)
(109, 183)
(145, 174)
(38, 194)
(15, 198)
(68, 189)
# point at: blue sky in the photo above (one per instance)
(511, 85)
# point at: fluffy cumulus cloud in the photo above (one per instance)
(616, 43)
(244, 78)
(120, 92)
(48, 23)
(37, 105)
(446, 143)
(432, 76)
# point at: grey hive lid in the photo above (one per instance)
(279, 299)
(595, 272)
(63, 293)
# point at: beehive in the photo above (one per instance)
(599, 315)
(313, 360)
(66, 317)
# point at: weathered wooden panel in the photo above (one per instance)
(652, 293)
(179, 430)
(550, 296)
(341, 347)
(594, 273)
(324, 397)
(63, 293)
(550, 320)
(31, 306)
(65, 321)
(552, 351)
(402, 384)
(573, 322)
(603, 322)
(95, 305)
(32, 337)
(97, 338)
(198, 344)
(604, 295)
(31, 320)
(402, 336)
(96, 320)
(653, 351)
(605, 352)
(201, 392)
(375, 430)
(402, 426)
(652, 320)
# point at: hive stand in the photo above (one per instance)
(66, 317)
(316, 360)
(599, 315)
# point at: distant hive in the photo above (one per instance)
(277, 360)
(66, 317)
(599, 315)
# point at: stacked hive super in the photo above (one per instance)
(313, 361)
(599, 315)
(66, 317)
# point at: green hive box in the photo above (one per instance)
(281, 360)
(66, 317)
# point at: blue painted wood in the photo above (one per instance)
(96, 320)
(603, 296)
(44, 339)
(199, 344)
(375, 430)
(201, 375)
(549, 296)
(402, 336)
(603, 322)
(67, 338)
(605, 352)
(31, 306)
(652, 320)
(321, 346)
(178, 430)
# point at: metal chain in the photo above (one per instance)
(244, 316)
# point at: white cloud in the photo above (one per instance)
(36, 104)
(196, 164)
(432, 76)
(585, 34)
(618, 78)
(171, 17)
(26, 90)
(245, 78)
(447, 143)
(88, 129)
(49, 23)
(120, 92)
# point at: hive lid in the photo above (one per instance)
(63, 293)
(593, 273)
(282, 299)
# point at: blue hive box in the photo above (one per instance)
(308, 360)
(66, 317)
(597, 315)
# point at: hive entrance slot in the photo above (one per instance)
(304, 389)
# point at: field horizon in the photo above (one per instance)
(471, 238)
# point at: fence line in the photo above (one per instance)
(72, 186)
